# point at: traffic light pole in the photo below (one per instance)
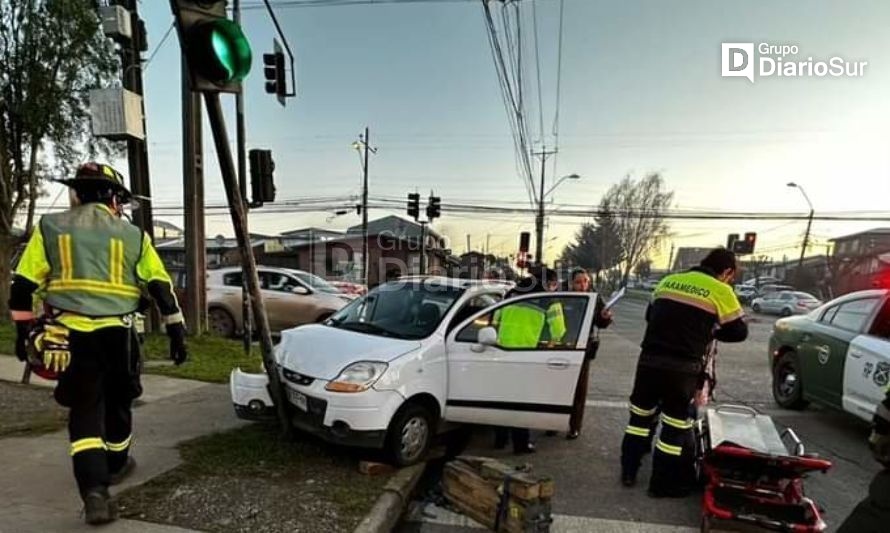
(423, 248)
(240, 141)
(239, 223)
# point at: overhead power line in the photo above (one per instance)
(287, 4)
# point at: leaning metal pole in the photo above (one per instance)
(239, 222)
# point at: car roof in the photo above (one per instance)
(457, 282)
(229, 269)
(870, 293)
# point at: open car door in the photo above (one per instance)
(517, 362)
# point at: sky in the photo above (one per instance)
(641, 91)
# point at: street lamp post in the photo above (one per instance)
(539, 219)
(806, 235)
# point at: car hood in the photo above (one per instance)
(322, 351)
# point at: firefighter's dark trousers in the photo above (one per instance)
(99, 387)
(670, 394)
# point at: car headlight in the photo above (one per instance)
(357, 377)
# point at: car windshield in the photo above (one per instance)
(316, 283)
(402, 310)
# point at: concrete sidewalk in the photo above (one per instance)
(37, 487)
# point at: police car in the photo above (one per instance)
(838, 355)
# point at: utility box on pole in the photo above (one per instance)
(116, 114)
(116, 22)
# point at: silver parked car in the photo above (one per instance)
(785, 303)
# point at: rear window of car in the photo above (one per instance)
(232, 280)
(804, 296)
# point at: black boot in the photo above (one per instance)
(98, 507)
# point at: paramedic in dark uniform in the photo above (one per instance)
(872, 515)
(687, 311)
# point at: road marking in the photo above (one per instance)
(607, 404)
(561, 523)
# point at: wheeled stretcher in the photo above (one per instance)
(751, 476)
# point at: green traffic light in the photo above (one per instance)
(222, 51)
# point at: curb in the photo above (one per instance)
(385, 514)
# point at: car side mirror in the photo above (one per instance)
(488, 336)
(299, 289)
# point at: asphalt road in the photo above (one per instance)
(589, 496)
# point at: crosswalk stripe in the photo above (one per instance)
(561, 523)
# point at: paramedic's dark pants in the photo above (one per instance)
(580, 402)
(99, 387)
(872, 515)
(670, 393)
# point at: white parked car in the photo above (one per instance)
(390, 369)
(785, 303)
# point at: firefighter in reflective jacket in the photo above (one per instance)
(91, 266)
(687, 311)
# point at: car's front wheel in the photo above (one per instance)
(786, 312)
(787, 385)
(756, 308)
(409, 435)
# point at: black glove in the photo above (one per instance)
(22, 330)
(178, 352)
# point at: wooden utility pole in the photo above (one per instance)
(539, 219)
(242, 233)
(365, 261)
(193, 202)
(137, 151)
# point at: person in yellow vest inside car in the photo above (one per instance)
(688, 310)
(91, 266)
(526, 325)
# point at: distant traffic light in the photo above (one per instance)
(744, 246)
(414, 205)
(216, 51)
(275, 74)
(750, 242)
(731, 239)
(524, 241)
(262, 169)
(434, 208)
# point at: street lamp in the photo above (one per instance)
(806, 236)
(539, 220)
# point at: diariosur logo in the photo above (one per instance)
(783, 60)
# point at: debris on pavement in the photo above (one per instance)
(501, 497)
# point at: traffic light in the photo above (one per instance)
(750, 242)
(414, 205)
(262, 183)
(434, 208)
(744, 246)
(216, 51)
(275, 74)
(524, 241)
(731, 239)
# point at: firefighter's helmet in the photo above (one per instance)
(99, 177)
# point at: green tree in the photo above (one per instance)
(52, 52)
(637, 211)
(595, 246)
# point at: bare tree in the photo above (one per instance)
(52, 53)
(638, 211)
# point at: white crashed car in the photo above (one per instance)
(392, 367)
